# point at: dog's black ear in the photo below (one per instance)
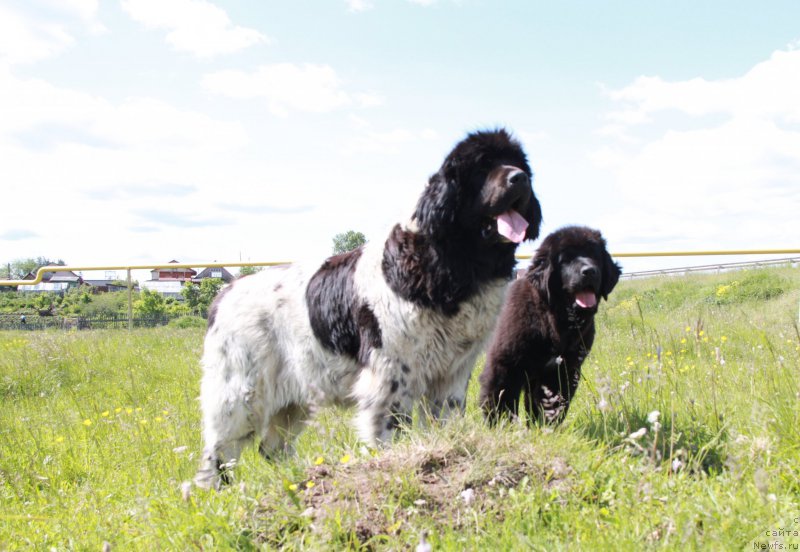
(611, 273)
(437, 207)
(534, 217)
(541, 275)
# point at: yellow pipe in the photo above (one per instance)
(45, 269)
(41, 272)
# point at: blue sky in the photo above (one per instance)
(140, 131)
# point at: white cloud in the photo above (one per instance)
(85, 10)
(24, 40)
(365, 5)
(711, 162)
(530, 137)
(73, 154)
(288, 87)
(194, 26)
(769, 89)
(359, 5)
(387, 142)
(31, 106)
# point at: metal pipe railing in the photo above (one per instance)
(128, 268)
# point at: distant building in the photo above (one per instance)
(59, 281)
(214, 272)
(169, 281)
(171, 274)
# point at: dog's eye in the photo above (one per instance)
(488, 229)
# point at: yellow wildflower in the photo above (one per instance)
(319, 460)
(310, 484)
(87, 422)
(345, 459)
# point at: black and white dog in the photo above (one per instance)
(381, 327)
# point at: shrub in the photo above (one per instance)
(185, 322)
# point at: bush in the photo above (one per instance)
(107, 304)
(185, 322)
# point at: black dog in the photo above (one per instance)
(546, 328)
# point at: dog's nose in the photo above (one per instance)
(589, 272)
(518, 178)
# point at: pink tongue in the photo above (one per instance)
(585, 299)
(511, 225)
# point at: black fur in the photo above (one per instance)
(543, 335)
(456, 248)
(341, 323)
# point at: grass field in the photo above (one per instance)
(99, 430)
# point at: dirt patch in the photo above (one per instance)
(428, 483)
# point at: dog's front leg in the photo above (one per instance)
(447, 396)
(385, 397)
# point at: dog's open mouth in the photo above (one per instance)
(511, 225)
(586, 299)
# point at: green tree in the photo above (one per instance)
(44, 300)
(209, 288)
(191, 297)
(20, 267)
(75, 300)
(150, 303)
(347, 241)
(248, 270)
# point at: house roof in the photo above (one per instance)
(209, 273)
(57, 276)
(181, 270)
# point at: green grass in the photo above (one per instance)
(100, 429)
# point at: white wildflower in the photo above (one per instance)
(468, 495)
(424, 545)
(186, 490)
(638, 434)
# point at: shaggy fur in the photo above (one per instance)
(546, 328)
(383, 327)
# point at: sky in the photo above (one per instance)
(142, 131)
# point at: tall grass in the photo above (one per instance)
(99, 430)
